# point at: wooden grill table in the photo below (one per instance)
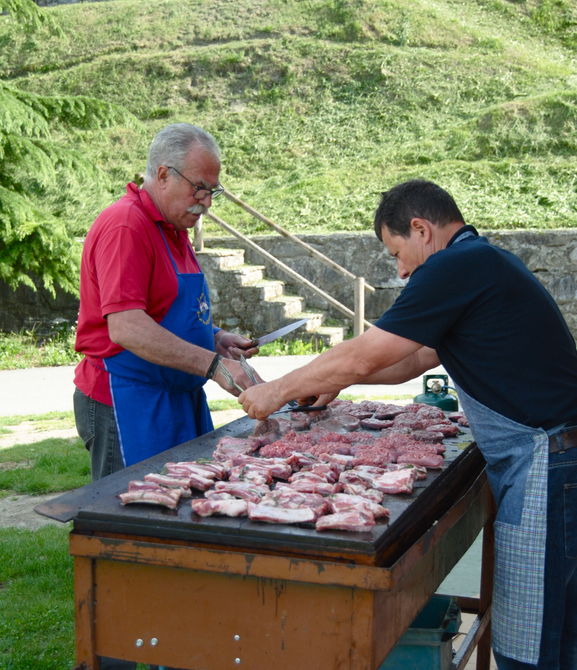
(167, 587)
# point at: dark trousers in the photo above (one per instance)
(96, 425)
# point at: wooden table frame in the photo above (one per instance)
(205, 607)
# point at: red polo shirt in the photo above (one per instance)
(124, 266)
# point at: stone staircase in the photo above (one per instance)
(245, 301)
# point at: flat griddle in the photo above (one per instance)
(95, 508)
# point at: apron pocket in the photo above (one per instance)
(570, 505)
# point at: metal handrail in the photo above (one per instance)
(359, 322)
(310, 250)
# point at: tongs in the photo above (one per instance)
(249, 371)
(221, 367)
(301, 408)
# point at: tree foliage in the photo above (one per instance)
(38, 170)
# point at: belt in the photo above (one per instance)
(563, 441)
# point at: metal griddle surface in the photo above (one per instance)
(95, 508)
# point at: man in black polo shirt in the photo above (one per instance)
(476, 309)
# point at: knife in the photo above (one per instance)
(270, 337)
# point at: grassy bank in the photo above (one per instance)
(319, 105)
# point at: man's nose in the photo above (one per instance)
(204, 199)
(402, 271)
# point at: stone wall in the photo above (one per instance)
(551, 255)
(25, 309)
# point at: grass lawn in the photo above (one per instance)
(36, 600)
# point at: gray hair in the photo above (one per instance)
(172, 143)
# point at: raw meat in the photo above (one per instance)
(308, 486)
(272, 514)
(250, 473)
(426, 435)
(210, 470)
(227, 447)
(278, 468)
(431, 412)
(167, 481)
(376, 424)
(408, 420)
(218, 495)
(429, 460)
(289, 498)
(388, 412)
(398, 481)
(351, 520)
(245, 490)
(232, 507)
(166, 498)
(342, 502)
(448, 429)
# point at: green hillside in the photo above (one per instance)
(319, 105)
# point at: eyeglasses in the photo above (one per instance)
(200, 192)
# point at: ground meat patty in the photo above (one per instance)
(376, 424)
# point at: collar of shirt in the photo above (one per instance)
(180, 238)
(465, 231)
(147, 204)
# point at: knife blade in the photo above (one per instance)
(275, 334)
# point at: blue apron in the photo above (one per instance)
(517, 461)
(158, 407)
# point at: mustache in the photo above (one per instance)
(197, 209)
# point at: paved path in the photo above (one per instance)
(43, 390)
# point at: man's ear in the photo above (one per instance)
(422, 227)
(162, 173)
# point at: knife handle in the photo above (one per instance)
(250, 345)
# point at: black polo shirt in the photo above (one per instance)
(497, 331)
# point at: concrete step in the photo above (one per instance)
(247, 275)
(240, 289)
(221, 259)
(281, 311)
(265, 289)
(328, 335)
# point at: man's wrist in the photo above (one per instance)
(212, 367)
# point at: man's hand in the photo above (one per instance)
(261, 400)
(231, 345)
(318, 400)
(232, 378)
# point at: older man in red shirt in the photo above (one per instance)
(145, 325)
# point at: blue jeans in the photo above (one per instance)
(559, 635)
(96, 426)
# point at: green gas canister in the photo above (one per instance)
(435, 392)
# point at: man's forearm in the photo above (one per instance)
(137, 332)
(410, 367)
(372, 358)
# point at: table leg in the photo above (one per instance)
(484, 646)
(84, 614)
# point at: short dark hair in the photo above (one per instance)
(416, 198)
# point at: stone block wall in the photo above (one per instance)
(551, 255)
